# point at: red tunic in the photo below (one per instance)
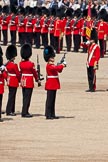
(58, 28)
(28, 73)
(21, 24)
(13, 77)
(52, 82)
(4, 22)
(2, 77)
(102, 29)
(44, 24)
(29, 24)
(91, 59)
(37, 27)
(13, 22)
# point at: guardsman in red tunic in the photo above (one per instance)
(37, 28)
(28, 74)
(51, 26)
(44, 27)
(13, 25)
(92, 60)
(68, 29)
(52, 81)
(29, 27)
(21, 26)
(58, 31)
(4, 24)
(102, 29)
(76, 29)
(3, 76)
(13, 79)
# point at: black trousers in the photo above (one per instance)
(102, 47)
(29, 37)
(52, 39)
(21, 38)
(10, 108)
(58, 44)
(37, 39)
(76, 41)
(91, 73)
(27, 94)
(1, 97)
(68, 42)
(44, 39)
(5, 37)
(13, 37)
(50, 103)
(84, 40)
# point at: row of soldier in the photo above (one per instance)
(24, 74)
(38, 25)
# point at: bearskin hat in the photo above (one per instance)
(11, 52)
(48, 53)
(102, 14)
(21, 10)
(94, 35)
(45, 11)
(77, 13)
(93, 12)
(52, 11)
(5, 9)
(38, 11)
(58, 13)
(68, 12)
(26, 51)
(13, 9)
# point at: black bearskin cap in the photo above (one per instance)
(21, 10)
(38, 11)
(11, 52)
(13, 9)
(94, 35)
(5, 9)
(48, 53)
(102, 14)
(78, 13)
(93, 12)
(68, 12)
(26, 51)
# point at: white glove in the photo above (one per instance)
(64, 63)
(2, 68)
(88, 42)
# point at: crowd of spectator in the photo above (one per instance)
(74, 4)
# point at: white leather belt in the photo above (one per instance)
(52, 76)
(27, 74)
(11, 74)
(1, 82)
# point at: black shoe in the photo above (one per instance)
(88, 90)
(92, 90)
(3, 112)
(49, 118)
(11, 114)
(55, 117)
(1, 120)
(27, 116)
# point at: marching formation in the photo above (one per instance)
(41, 26)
